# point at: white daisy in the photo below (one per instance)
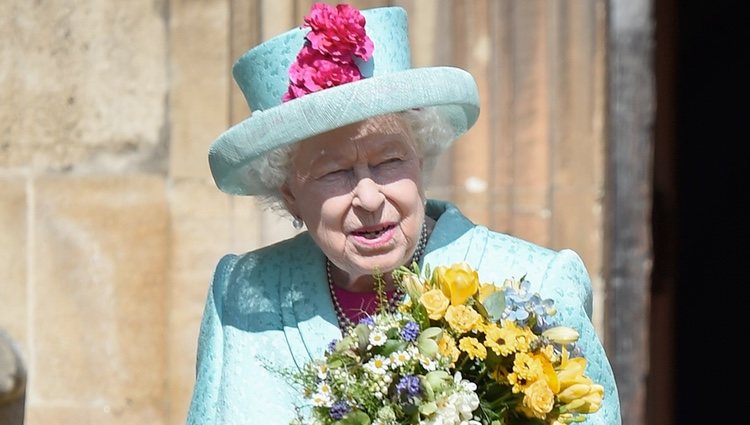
(399, 358)
(377, 338)
(322, 371)
(378, 365)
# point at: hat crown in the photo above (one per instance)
(262, 73)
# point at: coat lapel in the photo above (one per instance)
(313, 323)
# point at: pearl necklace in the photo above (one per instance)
(344, 321)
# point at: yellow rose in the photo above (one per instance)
(459, 282)
(538, 399)
(463, 318)
(435, 302)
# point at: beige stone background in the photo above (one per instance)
(111, 224)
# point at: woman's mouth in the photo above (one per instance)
(374, 235)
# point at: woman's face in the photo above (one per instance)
(359, 191)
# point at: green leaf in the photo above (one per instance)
(431, 333)
(363, 336)
(420, 315)
(428, 347)
(479, 307)
(428, 408)
(438, 380)
(356, 417)
(391, 346)
(495, 305)
(335, 364)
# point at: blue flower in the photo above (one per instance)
(339, 410)
(367, 320)
(408, 387)
(410, 332)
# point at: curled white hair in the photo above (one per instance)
(431, 131)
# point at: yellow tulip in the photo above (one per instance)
(459, 282)
(582, 398)
(571, 372)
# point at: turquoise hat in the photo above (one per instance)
(388, 84)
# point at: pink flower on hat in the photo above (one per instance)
(337, 35)
(314, 71)
(338, 32)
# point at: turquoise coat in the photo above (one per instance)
(270, 310)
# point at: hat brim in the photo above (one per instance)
(451, 90)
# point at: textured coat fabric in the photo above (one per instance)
(270, 310)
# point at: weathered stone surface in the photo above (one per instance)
(87, 84)
(200, 79)
(100, 261)
(13, 257)
(203, 229)
(127, 413)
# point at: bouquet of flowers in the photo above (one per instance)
(456, 351)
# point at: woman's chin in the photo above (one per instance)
(382, 263)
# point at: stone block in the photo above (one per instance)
(99, 311)
(201, 77)
(87, 81)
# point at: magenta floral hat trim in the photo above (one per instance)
(337, 35)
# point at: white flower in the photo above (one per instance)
(427, 363)
(377, 338)
(324, 388)
(320, 400)
(377, 365)
(399, 358)
(322, 371)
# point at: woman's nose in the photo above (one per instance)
(367, 194)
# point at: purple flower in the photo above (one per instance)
(408, 387)
(332, 345)
(367, 320)
(410, 332)
(339, 410)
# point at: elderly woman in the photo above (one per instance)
(343, 137)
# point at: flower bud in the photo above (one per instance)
(413, 286)
(561, 334)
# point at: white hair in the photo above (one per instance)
(432, 135)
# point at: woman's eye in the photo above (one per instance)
(334, 173)
(389, 161)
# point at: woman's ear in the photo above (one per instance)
(289, 199)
